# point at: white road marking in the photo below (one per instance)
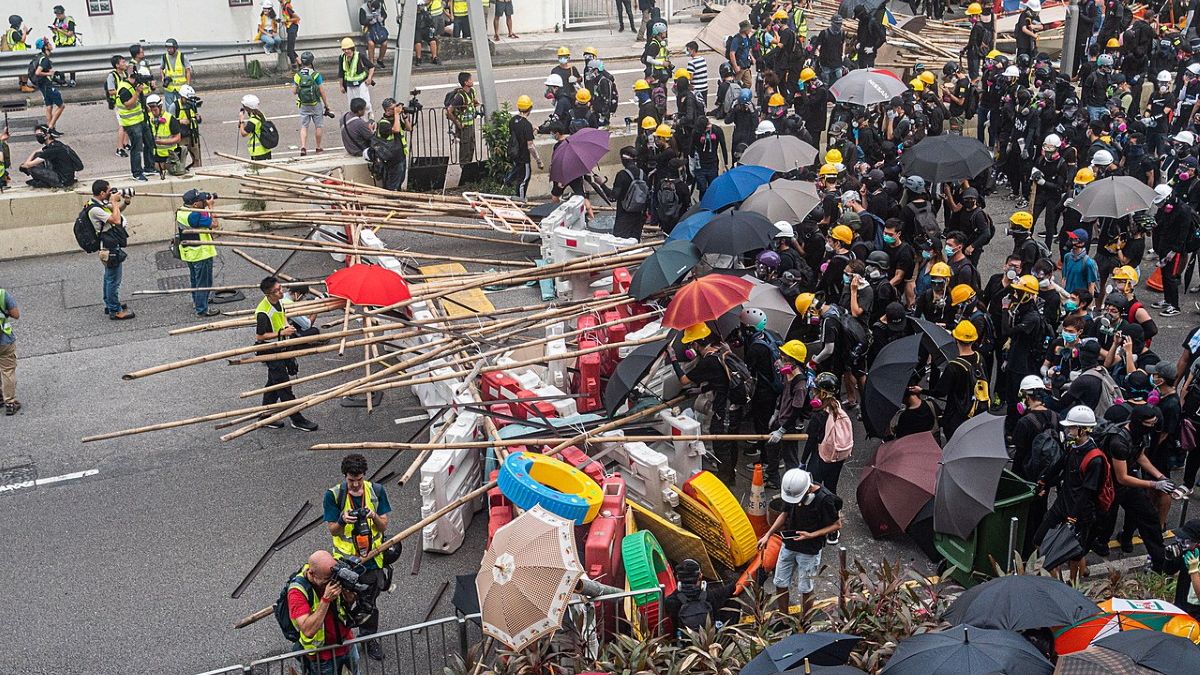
(47, 481)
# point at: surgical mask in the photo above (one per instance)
(563, 60)
(1070, 305)
(846, 279)
(926, 255)
(1068, 337)
(949, 251)
(889, 239)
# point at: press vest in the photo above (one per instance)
(253, 144)
(175, 71)
(290, 18)
(189, 252)
(800, 22)
(61, 39)
(351, 71)
(310, 593)
(460, 8)
(466, 112)
(190, 132)
(130, 117)
(277, 316)
(16, 40)
(343, 544)
(436, 7)
(160, 127)
(5, 326)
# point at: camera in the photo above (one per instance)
(414, 104)
(124, 192)
(138, 77)
(361, 531)
(1176, 549)
(59, 78)
(347, 578)
(192, 102)
(550, 125)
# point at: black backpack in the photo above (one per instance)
(76, 162)
(695, 611)
(268, 135)
(513, 150)
(926, 220)
(85, 234)
(741, 380)
(667, 206)
(283, 614)
(1045, 453)
(773, 342)
(577, 124)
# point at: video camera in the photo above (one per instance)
(1176, 549)
(192, 101)
(347, 578)
(414, 104)
(138, 77)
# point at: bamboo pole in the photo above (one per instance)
(236, 287)
(289, 354)
(252, 410)
(508, 442)
(315, 246)
(261, 265)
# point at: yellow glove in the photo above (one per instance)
(1191, 560)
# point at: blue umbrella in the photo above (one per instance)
(735, 185)
(688, 227)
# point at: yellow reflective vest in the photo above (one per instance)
(133, 116)
(352, 71)
(16, 40)
(436, 7)
(5, 326)
(175, 71)
(160, 128)
(189, 252)
(311, 594)
(253, 140)
(460, 8)
(343, 544)
(60, 28)
(277, 317)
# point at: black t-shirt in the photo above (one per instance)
(717, 594)
(916, 420)
(821, 513)
(1026, 429)
(46, 66)
(263, 322)
(1172, 413)
(1085, 390)
(902, 256)
(522, 132)
(710, 374)
(1080, 487)
(59, 160)
(1120, 448)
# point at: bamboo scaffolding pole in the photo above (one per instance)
(509, 442)
(251, 410)
(617, 423)
(316, 246)
(262, 265)
(290, 354)
(218, 289)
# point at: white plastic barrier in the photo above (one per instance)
(686, 457)
(648, 478)
(565, 407)
(446, 476)
(565, 237)
(366, 239)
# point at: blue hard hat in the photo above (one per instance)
(658, 29)
(746, 95)
(40, 44)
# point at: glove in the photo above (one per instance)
(1035, 173)
(1191, 560)
(1164, 485)
(776, 437)
(1041, 181)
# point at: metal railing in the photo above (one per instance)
(429, 647)
(587, 13)
(430, 139)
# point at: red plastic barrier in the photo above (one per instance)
(536, 410)
(587, 380)
(498, 385)
(580, 460)
(502, 409)
(500, 510)
(602, 548)
(621, 280)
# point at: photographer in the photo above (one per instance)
(104, 211)
(271, 325)
(250, 126)
(128, 100)
(426, 34)
(53, 165)
(189, 126)
(165, 130)
(389, 146)
(119, 66)
(319, 608)
(356, 514)
(311, 99)
(192, 232)
(176, 72)
(1187, 587)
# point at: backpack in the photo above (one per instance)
(31, 73)
(741, 380)
(667, 206)
(658, 94)
(980, 391)
(637, 197)
(1045, 452)
(449, 97)
(1108, 389)
(695, 611)
(857, 335)
(577, 124)
(1107, 494)
(926, 220)
(76, 162)
(772, 341)
(283, 614)
(85, 234)
(306, 88)
(839, 437)
(605, 94)
(268, 135)
(513, 150)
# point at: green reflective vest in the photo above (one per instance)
(352, 72)
(343, 544)
(5, 326)
(277, 316)
(253, 142)
(130, 117)
(800, 21)
(436, 7)
(174, 72)
(16, 40)
(160, 128)
(189, 252)
(311, 594)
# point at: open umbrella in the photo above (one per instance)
(1097, 661)
(630, 371)
(867, 86)
(887, 379)
(527, 576)
(818, 648)
(1113, 197)
(705, 299)
(1021, 602)
(1159, 651)
(662, 268)
(769, 299)
(368, 285)
(806, 669)
(967, 650)
(898, 483)
(734, 233)
(938, 341)
(780, 153)
(969, 474)
(1122, 614)
(783, 199)
(578, 155)
(687, 228)
(945, 158)
(734, 185)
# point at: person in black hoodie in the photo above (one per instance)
(1035, 418)
(628, 224)
(830, 46)
(1134, 479)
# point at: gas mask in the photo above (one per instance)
(1011, 274)
(690, 354)
(1164, 88)
(1153, 397)
(786, 369)
(814, 403)
(1184, 175)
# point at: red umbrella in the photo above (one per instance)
(368, 285)
(900, 480)
(705, 299)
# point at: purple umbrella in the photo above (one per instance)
(578, 155)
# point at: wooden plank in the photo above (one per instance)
(467, 302)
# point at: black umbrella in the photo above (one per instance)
(734, 233)
(664, 267)
(820, 649)
(847, 7)
(945, 158)
(938, 341)
(630, 371)
(466, 596)
(1021, 602)
(824, 670)
(967, 650)
(1060, 544)
(969, 474)
(887, 379)
(1163, 652)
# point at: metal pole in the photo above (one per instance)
(483, 56)
(402, 70)
(1070, 31)
(1012, 542)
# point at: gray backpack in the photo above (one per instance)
(637, 197)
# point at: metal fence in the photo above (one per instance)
(587, 13)
(427, 648)
(430, 139)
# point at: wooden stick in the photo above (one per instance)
(217, 289)
(262, 265)
(614, 424)
(592, 440)
(324, 247)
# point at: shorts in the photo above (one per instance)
(796, 571)
(503, 7)
(51, 96)
(312, 116)
(377, 33)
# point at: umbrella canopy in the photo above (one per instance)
(368, 285)
(1097, 661)
(527, 576)
(945, 158)
(898, 483)
(687, 228)
(806, 669)
(780, 153)
(1159, 651)
(938, 341)
(630, 371)
(734, 233)
(734, 185)
(578, 155)
(662, 268)
(705, 299)
(847, 7)
(967, 650)
(887, 379)
(1082, 634)
(819, 649)
(1021, 602)
(969, 474)
(868, 86)
(783, 199)
(1113, 197)
(770, 300)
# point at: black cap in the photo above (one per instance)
(172, 42)
(1117, 414)
(894, 312)
(688, 571)
(59, 9)
(1137, 382)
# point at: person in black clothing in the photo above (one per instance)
(830, 46)
(959, 255)
(1077, 502)
(1087, 387)
(979, 42)
(628, 224)
(893, 325)
(1027, 28)
(693, 593)
(1089, 12)
(710, 373)
(1133, 479)
(957, 383)
(1035, 419)
(917, 414)
(759, 345)
(711, 153)
(870, 35)
(812, 101)
(279, 371)
(53, 165)
(1187, 585)
(1021, 323)
(790, 412)
(812, 513)
(521, 131)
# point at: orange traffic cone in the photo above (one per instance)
(756, 503)
(1154, 283)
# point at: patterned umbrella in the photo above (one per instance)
(705, 299)
(1099, 661)
(368, 285)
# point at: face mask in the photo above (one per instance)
(814, 403)
(563, 60)
(786, 369)
(949, 251)
(1071, 305)
(846, 279)
(1068, 337)
(1021, 408)
(1076, 254)
(689, 354)
(889, 239)
(829, 248)
(1164, 88)
(1184, 175)
(1043, 284)
(926, 255)
(1153, 397)
(1011, 275)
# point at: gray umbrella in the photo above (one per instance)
(781, 153)
(967, 650)
(770, 300)
(783, 199)
(1113, 197)
(969, 474)
(867, 86)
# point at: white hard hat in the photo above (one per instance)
(1079, 416)
(186, 91)
(1011, 71)
(1031, 382)
(764, 127)
(268, 4)
(153, 99)
(1186, 137)
(1052, 141)
(1034, 5)
(554, 80)
(250, 101)
(784, 229)
(1164, 76)
(850, 196)
(1194, 68)
(1162, 190)
(795, 484)
(1102, 158)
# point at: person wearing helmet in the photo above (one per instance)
(568, 73)
(830, 45)
(934, 304)
(49, 166)
(1050, 175)
(981, 40)
(711, 154)
(1124, 281)
(520, 130)
(710, 372)
(646, 105)
(463, 110)
(1026, 330)
(790, 259)
(811, 103)
(63, 29)
(429, 27)
(830, 434)
(1172, 223)
(189, 126)
(760, 350)
(838, 256)
(164, 128)
(131, 116)
(267, 30)
(811, 513)
(790, 413)
(963, 383)
(766, 265)
(1028, 26)
(357, 74)
(582, 116)
(1094, 89)
(44, 77)
(250, 125)
(176, 71)
(311, 100)
(689, 115)
(975, 225)
(656, 57)
(788, 55)
(1035, 418)
(1085, 471)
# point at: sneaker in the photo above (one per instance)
(277, 424)
(304, 424)
(211, 311)
(11, 409)
(122, 315)
(1126, 545)
(142, 178)
(71, 84)
(303, 152)
(435, 61)
(1160, 304)
(374, 650)
(1170, 311)
(833, 538)
(122, 152)
(55, 133)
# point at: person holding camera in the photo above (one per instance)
(356, 513)
(192, 233)
(250, 126)
(311, 99)
(53, 165)
(104, 210)
(461, 110)
(132, 116)
(271, 325)
(189, 127)
(176, 73)
(390, 143)
(164, 128)
(320, 611)
(63, 28)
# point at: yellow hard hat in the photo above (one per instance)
(347, 43)
(1027, 283)
(664, 131)
(807, 74)
(828, 169)
(1113, 43)
(940, 269)
(961, 293)
(1022, 219)
(649, 123)
(916, 84)
(641, 85)
(993, 54)
(564, 51)
(779, 14)
(795, 349)
(965, 332)
(1125, 273)
(681, 72)
(524, 102)
(591, 51)
(1085, 176)
(834, 156)
(695, 332)
(803, 302)
(842, 233)
(927, 77)
(776, 99)
(974, 9)
(583, 96)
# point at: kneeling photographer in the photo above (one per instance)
(319, 598)
(356, 515)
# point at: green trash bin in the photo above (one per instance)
(969, 561)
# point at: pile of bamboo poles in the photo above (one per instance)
(937, 42)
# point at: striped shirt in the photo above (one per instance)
(698, 67)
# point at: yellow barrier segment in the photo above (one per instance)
(711, 492)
